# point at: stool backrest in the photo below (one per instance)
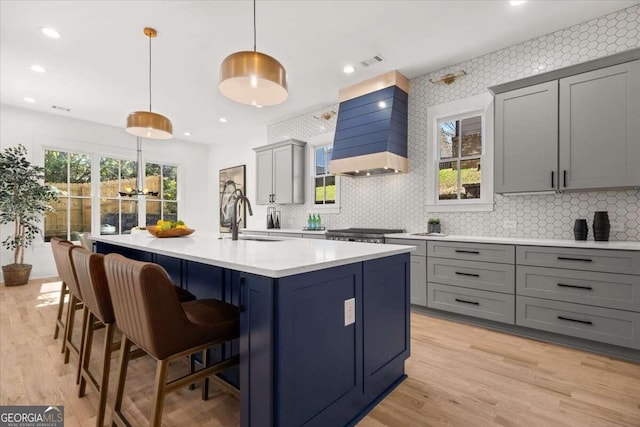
(145, 305)
(62, 255)
(93, 283)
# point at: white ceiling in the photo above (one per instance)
(98, 68)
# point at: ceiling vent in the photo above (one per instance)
(372, 61)
(58, 107)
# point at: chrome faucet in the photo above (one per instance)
(234, 224)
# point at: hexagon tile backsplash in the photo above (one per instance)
(400, 200)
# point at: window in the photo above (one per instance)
(70, 175)
(323, 187)
(324, 182)
(460, 155)
(117, 214)
(162, 179)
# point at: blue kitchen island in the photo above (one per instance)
(324, 324)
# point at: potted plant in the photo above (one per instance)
(23, 200)
(433, 225)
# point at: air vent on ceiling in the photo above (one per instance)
(58, 107)
(371, 61)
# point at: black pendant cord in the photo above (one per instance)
(254, 25)
(150, 74)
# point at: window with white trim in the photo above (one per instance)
(460, 155)
(117, 214)
(161, 179)
(323, 193)
(70, 174)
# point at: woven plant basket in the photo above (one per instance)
(16, 274)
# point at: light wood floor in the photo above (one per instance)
(459, 375)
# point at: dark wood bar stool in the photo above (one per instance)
(62, 256)
(64, 291)
(149, 314)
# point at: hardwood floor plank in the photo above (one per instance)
(459, 375)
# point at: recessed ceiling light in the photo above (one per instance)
(348, 69)
(38, 69)
(187, 134)
(517, 2)
(29, 99)
(222, 120)
(382, 104)
(50, 32)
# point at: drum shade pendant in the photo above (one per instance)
(252, 77)
(148, 124)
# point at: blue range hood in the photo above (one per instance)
(371, 131)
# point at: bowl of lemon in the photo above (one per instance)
(169, 229)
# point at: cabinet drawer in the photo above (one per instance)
(487, 276)
(594, 323)
(421, 245)
(472, 302)
(418, 280)
(472, 251)
(618, 291)
(610, 261)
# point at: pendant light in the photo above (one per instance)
(148, 124)
(252, 77)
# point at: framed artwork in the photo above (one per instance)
(232, 180)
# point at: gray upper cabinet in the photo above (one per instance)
(526, 139)
(280, 173)
(600, 128)
(575, 128)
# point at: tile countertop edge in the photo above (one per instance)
(282, 230)
(272, 273)
(561, 243)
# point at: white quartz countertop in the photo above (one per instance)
(278, 258)
(564, 243)
(282, 230)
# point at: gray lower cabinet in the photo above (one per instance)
(419, 280)
(611, 261)
(472, 251)
(418, 269)
(616, 327)
(486, 276)
(472, 302)
(618, 291)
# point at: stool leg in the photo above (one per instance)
(125, 349)
(85, 325)
(205, 380)
(159, 392)
(86, 354)
(106, 366)
(63, 293)
(68, 329)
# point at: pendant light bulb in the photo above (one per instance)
(148, 124)
(252, 77)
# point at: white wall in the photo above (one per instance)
(400, 201)
(197, 202)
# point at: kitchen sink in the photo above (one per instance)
(260, 239)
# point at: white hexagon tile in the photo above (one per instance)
(400, 200)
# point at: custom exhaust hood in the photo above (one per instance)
(371, 130)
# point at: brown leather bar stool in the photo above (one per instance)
(149, 314)
(92, 281)
(62, 256)
(64, 291)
